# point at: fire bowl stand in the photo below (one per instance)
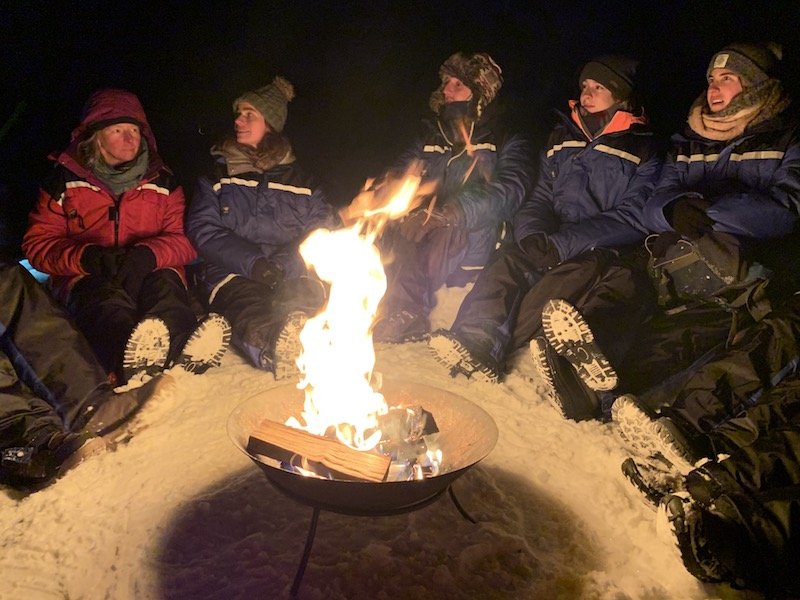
(318, 507)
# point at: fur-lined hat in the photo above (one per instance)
(477, 71)
(271, 101)
(754, 63)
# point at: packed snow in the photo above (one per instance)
(177, 511)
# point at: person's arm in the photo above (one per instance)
(46, 244)
(619, 226)
(215, 242)
(762, 214)
(497, 198)
(170, 246)
(537, 214)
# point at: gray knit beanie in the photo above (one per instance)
(271, 101)
(754, 63)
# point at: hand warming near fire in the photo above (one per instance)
(655, 295)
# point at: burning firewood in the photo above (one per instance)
(281, 442)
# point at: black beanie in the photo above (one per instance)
(614, 72)
(754, 63)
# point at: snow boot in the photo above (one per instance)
(206, 346)
(401, 326)
(146, 350)
(653, 484)
(288, 347)
(51, 455)
(656, 440)
(458, 359)
(570, 335)
(121, 406)
(680, 521)
(565, 391)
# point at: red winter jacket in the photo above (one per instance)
(75, 209)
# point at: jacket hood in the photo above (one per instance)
(106, 107)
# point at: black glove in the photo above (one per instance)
(688, 217)
(137, 263)
(416, 226)
(540, 251)
(99, 260)
(267, 272)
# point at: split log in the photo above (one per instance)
(280, 442)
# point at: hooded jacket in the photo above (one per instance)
(591, 192)
(76, 209)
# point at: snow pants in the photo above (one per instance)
(723, 396)
(106, 314)
(750, 499)
(416, 270)
(48, 373)
(503, 311)
(643, 341)
(257, 314)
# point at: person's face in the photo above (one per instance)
(595, 97)
(455, 91)
(250, 125)
(119, 143)
(723, 86)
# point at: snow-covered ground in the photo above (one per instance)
(177, 511)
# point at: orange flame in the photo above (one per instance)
(338, 355)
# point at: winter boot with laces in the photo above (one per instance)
(657, 441)
(567, 331)
(288, 347)
(206, 346)
(681, 522)
(146, 350)
(652, 483)
(401, 326)
(458, 359)
(565, 391)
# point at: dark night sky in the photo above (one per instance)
(362, 71)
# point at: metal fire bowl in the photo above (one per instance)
(467, 434)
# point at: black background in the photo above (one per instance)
(362, 71)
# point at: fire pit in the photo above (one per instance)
(467, 435)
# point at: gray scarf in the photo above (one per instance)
(125, 176)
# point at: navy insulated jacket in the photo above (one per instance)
(590, 193)
(752, 180)
(233, 221)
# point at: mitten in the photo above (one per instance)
(137, 263)
(267, 272)
(688, 217)
(100, 260)
(539, 251)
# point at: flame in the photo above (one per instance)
(338, 355)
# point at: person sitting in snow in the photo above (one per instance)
(247, 220)
(108, 229)
(55, 398)
(600, 164)
(730, 188)
(482, 174)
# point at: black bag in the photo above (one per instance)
(714, 268)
